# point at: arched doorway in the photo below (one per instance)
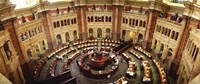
(140, 38)
(67, 37)
(123, 35)
(99, 33)
(107, 33)
(59, 40)
(90, 33)
(75, 35)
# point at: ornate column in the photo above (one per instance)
(182, 39)
(81, 16)
(150, 28)
(116, 19)
(154, 11)
(46, 20)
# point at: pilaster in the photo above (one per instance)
(152, 18)
(46, 20)
(116, 21)
(82, 25)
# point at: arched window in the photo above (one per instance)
(130, 21)
(136, 24)
(197, 52)
(133, 22)
(92, 19)
(68, 22)
(166, 30)
(123, 20)
(144, 24)
(54, 24)
(163, 30)
(176, 37)
(65, 22)
(169, 31)
(88, 19)
(102, 19)
(140, 23)
(106, 18)
(193, 51)
(58, 24)
(62, 23)
(172, 36)
(191, 48)
(126, 21)
(96, 19)
(74, 20)
(110, 19)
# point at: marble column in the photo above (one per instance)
(181, 42)
(152, 18)
(116, 21)
(82, 24)
(47, 24)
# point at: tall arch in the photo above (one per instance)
(59, 39)
(91, 32)
(99, 33)
(75, 35)
(193, 51)
(140, 38)
(67, 37)
(107, 33)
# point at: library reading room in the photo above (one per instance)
(99, 41)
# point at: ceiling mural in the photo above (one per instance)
(29, 3)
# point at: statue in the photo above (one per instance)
(7, 50)
(23, 19)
